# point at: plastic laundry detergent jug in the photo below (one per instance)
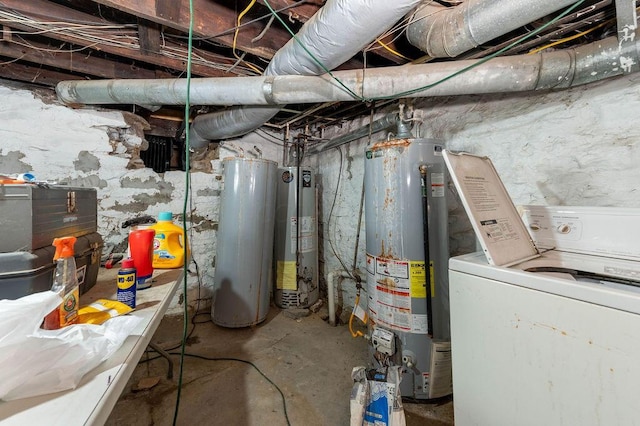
(168, 243)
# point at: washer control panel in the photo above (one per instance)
(603, 231)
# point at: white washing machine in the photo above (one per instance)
(545, 333)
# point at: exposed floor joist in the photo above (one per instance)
(131, 50)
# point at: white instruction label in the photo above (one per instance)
(307, 229)
(437, 185)
(441, 383)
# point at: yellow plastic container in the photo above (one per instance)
(168, 243)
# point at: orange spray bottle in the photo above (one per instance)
(65, 283)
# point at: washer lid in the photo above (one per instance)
(496, 222)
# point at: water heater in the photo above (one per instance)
(408, 298)
(244, 254)
(295, 241)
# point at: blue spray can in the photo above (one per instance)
(127, 283)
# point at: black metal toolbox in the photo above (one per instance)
(33, 215)
(26, 272)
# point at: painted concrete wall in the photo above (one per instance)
(93, 148)
(577, 147)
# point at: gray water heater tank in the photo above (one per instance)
(399, 288)
(296, 239)
(243, 277)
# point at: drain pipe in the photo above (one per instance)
(339, 30)
(543, 71)
(445, 32)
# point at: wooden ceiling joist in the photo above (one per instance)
(80, 62)
(44, 10)
(211, 20)
(300, 13)
(33, 74)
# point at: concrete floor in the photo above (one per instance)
(306, 358)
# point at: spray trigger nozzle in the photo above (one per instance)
(64, 247)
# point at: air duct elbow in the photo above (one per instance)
(450, 31)
(440, 31)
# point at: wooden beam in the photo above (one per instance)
(212, 20)
(169, 10)
(80, 62)
(215, 21)
(149, 37)
(34, 74)
(49, 11)
(380, 50)
(300, 13)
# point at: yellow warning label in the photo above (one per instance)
(419, 280)
(286, 276)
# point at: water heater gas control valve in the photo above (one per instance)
(383, 341)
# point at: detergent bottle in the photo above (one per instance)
(65, 283)
(168, 243)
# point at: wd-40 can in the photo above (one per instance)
(127, 283)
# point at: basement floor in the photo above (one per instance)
(309, 361)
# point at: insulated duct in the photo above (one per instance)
(339, 30)
(450, 31)
(547, 70)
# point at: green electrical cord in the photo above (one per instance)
(185, 270)
(428, 86)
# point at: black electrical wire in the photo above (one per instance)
(269, 138)
(425, 241)
(333, 204)
(244, 361)
(361, 210)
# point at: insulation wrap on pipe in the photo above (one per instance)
(339, 30)
(445, 32)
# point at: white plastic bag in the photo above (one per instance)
(35, 361)
(375, 398)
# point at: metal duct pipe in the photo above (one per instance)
(376, 126)
(546, 70)
(449, 31)
(339, 30)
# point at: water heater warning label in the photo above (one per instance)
(391, 284)
(437, 184)
(307, 229)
